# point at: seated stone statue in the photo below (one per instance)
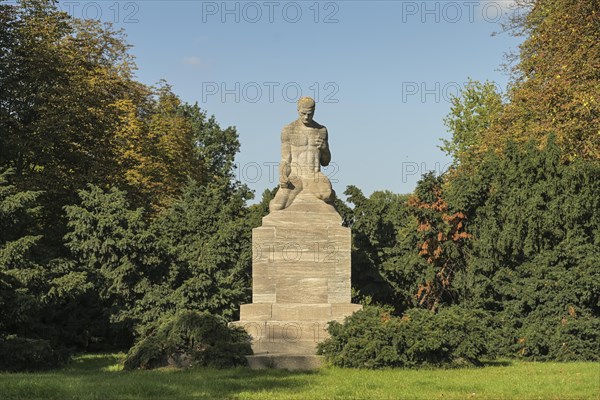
(304, 149)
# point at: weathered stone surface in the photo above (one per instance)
(340, 311)
(301, 255)
(256, 311)
(301, 290)
(301, 312)
(285, 337)
(301, 281)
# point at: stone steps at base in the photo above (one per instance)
(285, 361)
(297, 311)
(283, 347)
(285, 337)
(289, 331)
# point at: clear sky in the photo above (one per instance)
(382, 73)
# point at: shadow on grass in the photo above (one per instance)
(93, 362)
(497, 363)
(94, 377)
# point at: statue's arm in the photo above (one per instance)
(325, 153)
(286, 159)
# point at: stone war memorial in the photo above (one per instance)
(301, 255)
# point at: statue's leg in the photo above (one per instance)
(280, 200)
(331, 198)
(323, 189)
(295, 188)
(285, 196)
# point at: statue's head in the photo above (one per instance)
(306, 110)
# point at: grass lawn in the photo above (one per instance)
(100, 377)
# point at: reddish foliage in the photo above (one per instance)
(439, 229)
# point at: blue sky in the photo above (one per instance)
(382, 73)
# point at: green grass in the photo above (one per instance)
(101, 377)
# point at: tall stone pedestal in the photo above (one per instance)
(300, 279)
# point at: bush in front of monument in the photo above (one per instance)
(374, 338)
(24, 354)
(191, 339)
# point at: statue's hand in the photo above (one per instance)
(320, 142)
(284, 184)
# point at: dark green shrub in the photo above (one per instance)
(191, 338)
(373, 338)
(23, 354)
(570, 338)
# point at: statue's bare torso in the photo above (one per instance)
(304, 149)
